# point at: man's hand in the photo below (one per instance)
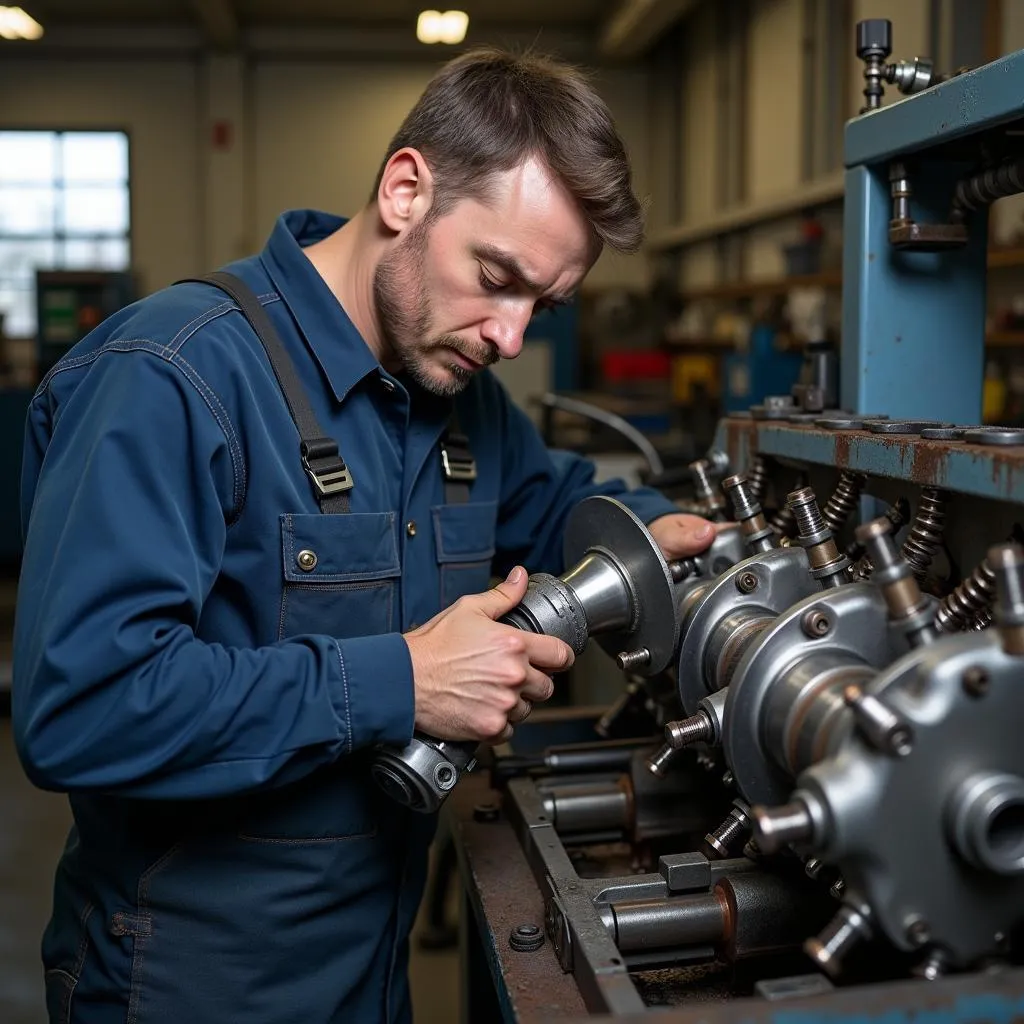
(475, 678)
(680, 535)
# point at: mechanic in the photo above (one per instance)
(217, 624)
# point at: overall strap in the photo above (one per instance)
(457, 462)
(321, 458)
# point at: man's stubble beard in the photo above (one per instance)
(404, 315)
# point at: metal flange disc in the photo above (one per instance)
(604, 525)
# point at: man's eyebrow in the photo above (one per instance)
(511, 266)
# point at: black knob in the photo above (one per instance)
(874, 36)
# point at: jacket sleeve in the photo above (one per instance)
(129, 487)
(540, 486)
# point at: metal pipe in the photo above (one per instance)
(599, 806)
(609, 419)
(641, 925)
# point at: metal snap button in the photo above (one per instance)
(306, 560)
(410, 528)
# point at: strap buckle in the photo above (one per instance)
(325, 467)
(456, 459)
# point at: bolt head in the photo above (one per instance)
(918, 931)
(485, 812)
(746, 582)
(816, 624)
(526, 938)
(975, 682)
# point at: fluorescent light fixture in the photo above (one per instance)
(442, 27)
(16, 24)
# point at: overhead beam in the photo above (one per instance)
(219, 21)
(636, 25)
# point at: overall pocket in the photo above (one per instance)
(464, 537)
(340, 574)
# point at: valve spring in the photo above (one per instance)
(982, 620)
(925, 536)
(843, 502)
(804, 506)
(757, 478)
(784, 522)
(971, 599)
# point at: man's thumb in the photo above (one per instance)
(506, 595)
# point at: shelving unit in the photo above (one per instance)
(997, 259)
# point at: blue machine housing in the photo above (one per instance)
(913, 325)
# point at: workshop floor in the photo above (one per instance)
(33, 826)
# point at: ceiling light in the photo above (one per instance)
(442, 27)
(16, 24)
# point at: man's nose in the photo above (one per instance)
(505, 330)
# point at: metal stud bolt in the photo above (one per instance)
(746, 582)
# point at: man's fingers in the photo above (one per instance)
(548, 652)
(505, 596)
(504, 737)
(681, 535)
(538, 686)
(520, 712)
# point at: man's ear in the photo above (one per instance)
(406, 190)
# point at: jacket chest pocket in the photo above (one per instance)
(340, 574)
(464, 537)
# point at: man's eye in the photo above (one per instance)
(488, 284)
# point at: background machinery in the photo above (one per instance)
(809, 799)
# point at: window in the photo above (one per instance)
(64, 205)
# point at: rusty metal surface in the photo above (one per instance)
(984, 470)
(504, 894)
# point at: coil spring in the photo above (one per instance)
(985, 188)
(926, 532)
(757, 478)
(982, 620)
(843, 502)
(970, 600)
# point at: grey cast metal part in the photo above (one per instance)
(782, 578)
(787, 666)
(913, 834)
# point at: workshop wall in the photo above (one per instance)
(772, 56)
(220, 147)
(320, 131)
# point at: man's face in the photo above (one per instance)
(456, 294)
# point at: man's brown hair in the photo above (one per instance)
(488, 111)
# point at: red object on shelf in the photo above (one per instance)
(636, 365)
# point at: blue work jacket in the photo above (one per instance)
(211, 702)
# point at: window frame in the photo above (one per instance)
(59, 185)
